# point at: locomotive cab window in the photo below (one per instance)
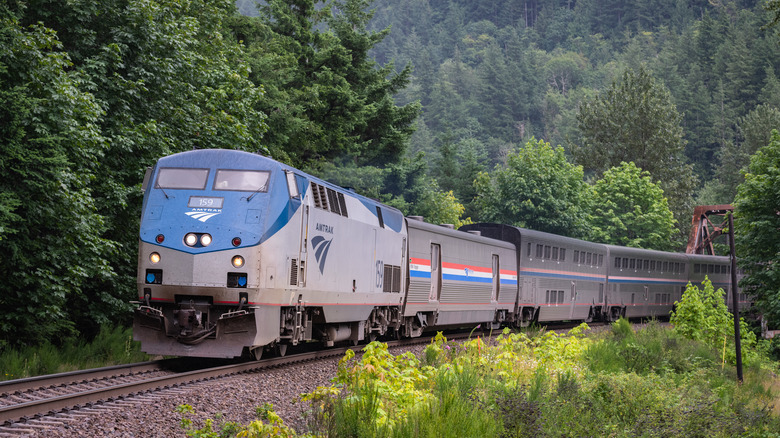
(241, 180)
(181, 178)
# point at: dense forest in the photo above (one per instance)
(599, 119)
(492, 74)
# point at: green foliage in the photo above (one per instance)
(537, 189)
(754, 132)
(773, 6)
(653, 349)
(95, 92)
(757, 228)
(630, 210)
(268, 425)
(635, 120)
(702, 316)
(50, 228)
(649, 383)
(403, 185)
(438, 207)
(327, 99)
(451, 412)
(500, 72)
(111, 346)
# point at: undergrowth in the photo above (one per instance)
(112, 346)
(653, 382)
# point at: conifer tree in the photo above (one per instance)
(636, 120)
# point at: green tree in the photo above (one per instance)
(50, 229)
(757, 228)
(440, 207)
(773, 6)
(538, 189)
(327, 98)
(754, 130)
(629, 209)
(770, 92)
(702, 315)
(636, 120)
(169, 81)
(163, 79)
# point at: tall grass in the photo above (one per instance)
(455, 411)
(625, 383)
(652, 349)
(111, 346)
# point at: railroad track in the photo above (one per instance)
(29, 405)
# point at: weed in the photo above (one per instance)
(110, 347)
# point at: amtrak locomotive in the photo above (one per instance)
(240, 254)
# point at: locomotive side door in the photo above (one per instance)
(300, 266)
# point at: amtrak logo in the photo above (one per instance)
(321, 247)
(202, 216)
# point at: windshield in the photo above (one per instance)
(241, 180)
(182, 178)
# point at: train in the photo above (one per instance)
(240, 254)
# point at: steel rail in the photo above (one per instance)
(19, 412)
(37, 382)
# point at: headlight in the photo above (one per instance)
(191, 239)
(154, 258)
(238, 261)
(205, 239)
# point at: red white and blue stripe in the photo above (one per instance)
(421, 268)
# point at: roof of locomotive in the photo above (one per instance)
(280, 206)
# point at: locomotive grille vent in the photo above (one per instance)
(329, 199)
(392, 276)
(294, 272)
(342, 204)
(333, 201)
(317, 192)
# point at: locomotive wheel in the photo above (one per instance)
(256, 353)
(281, 349)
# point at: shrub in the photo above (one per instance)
(702, 315)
